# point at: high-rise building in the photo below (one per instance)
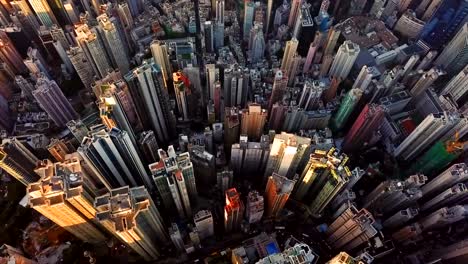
(286, 153)
(454, 57)
(236, 85)
(231, 127)
(146, 86)
(61, 197)
(427, 132)
(204, 222)
(281, 15)
(224, 180)
(43, 12)
(279, 88)
(212, 75)
(26, 87)
(447, 197)
(288, 55)
(49, 95)
(58, 149)
(332, 39)
(10, 55)
(94, 49)
(310, 56)
(233, 210)
(311, 94)
(249, 11)
(249, 157)
(294, 12)
(367, 123)
(458, 85)
(134, 219)
(344, 59)
(149, 146)
(176, 237)
(182, 91)
(256, 43)
(160, 53)
(255, 207)
(253, 120)
(78, 129)
(115, 46)
(208, 29)
(452, 175)
(113, 154)
(346, 107)
(356, 7)
(409, 25)
(343, 258)
(364, 78)
(82, 66)
(277, 193)
(18, 161)
(426, 80)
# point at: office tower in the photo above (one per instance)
(446, 198)
(458, 85)
(444, 217)
(426, 80)
(311, 94)
(18, 161)
(332, 39)
(233, 210)
(320, 165)
(344, 59)
(288, 55)
(176, 238)
(82, 66)
(400, 218)
(294, 12)
(253, 120)
(279, 88)
(249, 10)
(93, 47)
(254, 208)
(58, 149)
(454, 57)
(115, 157)
(224, 179)
(60, 196)
(53, 101)
(364, 127)
(134, 219)
(409, 25)
(160, 53)
(249, 157)
(10, 55)
(429, 130)
(78, 129)
(256, 44)
(351, 229)
(181, 90)
(151, 99)
(231, 126)
(204, 223)
(208, 29)
(43, 12)
(113, 42)
(346, 107)
(310, 57)
(364, 78)
(277, 192)
(236, 85)
(149, 146)
(286, 153)
(454, 174)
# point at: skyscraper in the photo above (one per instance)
(277, 192)
(149, 146)
(204, 222)
(58, 149)
(458, 85)
(82, 66)
(160, 53)
(114, 44)
(253, 121)
(94, 49)
(288, 55)
(452, 175)
(249, 9)
(249, 157)
(60, 196)
(43, 12)
(294, 13)
(454, 57)
(279, 88)
(147, 88)
(256, 43)
(115, 157)
(53, 101)
(236, 85)
(346, 107)
(426, 80)
(134, 219)
(233, 210)
(10, 55)
(255, 207)
(364, 78)
(364, 127)
(18, 161)
(182, 91)
(78, 129)
(344, 59)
